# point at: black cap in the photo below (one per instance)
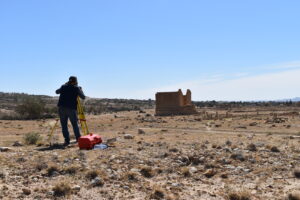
(73, 79)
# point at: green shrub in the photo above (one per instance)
(32, 138)
(31, 108)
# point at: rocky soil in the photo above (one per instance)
(213, 155)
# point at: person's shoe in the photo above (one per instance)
(66, 144)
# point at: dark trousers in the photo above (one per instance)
(64, 115)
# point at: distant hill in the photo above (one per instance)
(295, 99)
(10, 101)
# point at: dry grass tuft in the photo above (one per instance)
(240, 195)
(297, 173)
(62, 189)
(71, 169)
(185, 172)
(40, 166)
(293, 196)
(158, 193)
(147, 172)
(210, 173)
(52, 169)
(92, 174)
(131, 176)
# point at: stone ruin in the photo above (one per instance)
(174, 103)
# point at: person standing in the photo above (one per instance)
(67, 107)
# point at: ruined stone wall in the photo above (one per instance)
(174, 103)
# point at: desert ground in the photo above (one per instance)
(247, 153)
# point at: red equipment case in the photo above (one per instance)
(89, 141)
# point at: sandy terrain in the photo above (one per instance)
(214, 155)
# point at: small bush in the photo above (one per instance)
(41, 165)
(147, 172)
(52, 169)
(92, 174)
(62, 189)
(31, 108)
(131, 176)
(157, 194)
(241, 195)
(32, 138)
(71, 169)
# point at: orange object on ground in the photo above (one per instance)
(89, 141)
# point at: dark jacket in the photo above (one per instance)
(68, 96)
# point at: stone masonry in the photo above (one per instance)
(174, 103)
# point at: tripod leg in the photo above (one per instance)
(52, 132)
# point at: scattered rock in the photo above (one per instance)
(198, 119)
(275, 149)
(2, 175)
(297, 173)
(251, 147)
(195, 160)
(5, 149)
(17, 144)
(294, 196)
(97, 182)
(210, 173)
(238, 156)
(193, 170)
(259, 144)
(128, 136)
(224, 175)
(141, 131)
(26, 191)
(253, 124)
(175, 150)
(111, 140)
(241, 127)
(126, 187)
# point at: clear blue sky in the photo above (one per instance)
(132, 48)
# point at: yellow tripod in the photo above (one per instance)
(81, 118)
